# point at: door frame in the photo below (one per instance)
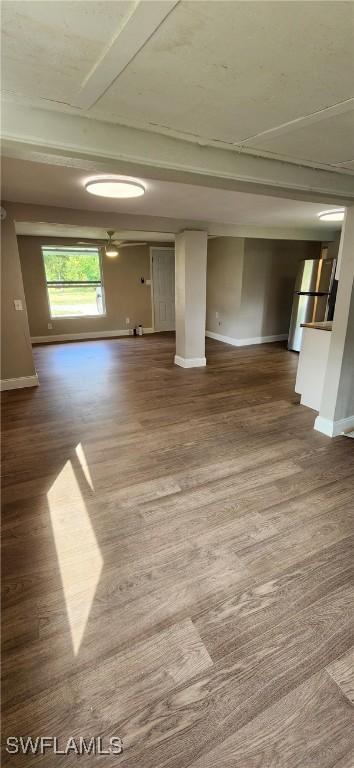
(151, 249)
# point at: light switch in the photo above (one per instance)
(18, 304)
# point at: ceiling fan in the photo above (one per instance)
(112, 247)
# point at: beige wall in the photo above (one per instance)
(125, 295)
(333, 248)
(250, 284)
(16, 350)
(270, 269)
(224, 284)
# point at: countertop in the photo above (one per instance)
(326, 325)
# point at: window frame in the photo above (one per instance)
(63, 283)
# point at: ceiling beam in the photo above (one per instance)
(47, 136)
(55, 215)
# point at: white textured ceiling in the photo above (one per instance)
(57, 185)
(48, 48)
(330, 141)
(273, 77)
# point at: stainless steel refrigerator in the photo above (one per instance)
(313, 290)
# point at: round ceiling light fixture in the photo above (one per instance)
(337, 214)
(117, 186)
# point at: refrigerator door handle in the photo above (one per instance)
(312, 293)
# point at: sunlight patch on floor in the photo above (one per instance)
(79, 557)
(83, 463)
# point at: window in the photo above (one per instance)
(74, 281)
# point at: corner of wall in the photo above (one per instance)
(16, 350)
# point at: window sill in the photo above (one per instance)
(76, 317)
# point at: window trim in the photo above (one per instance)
(74, 282)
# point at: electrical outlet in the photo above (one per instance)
(147, 282)
(50, 327)
(18, 305)
(127, 320)
(216, 315)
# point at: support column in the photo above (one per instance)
(191, 266)
(337, 405)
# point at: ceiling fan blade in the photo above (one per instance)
(99, 243)
(129, 245)
(105, 243)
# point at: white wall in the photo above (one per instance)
(191, 266)
(337, 404)
(345, 401)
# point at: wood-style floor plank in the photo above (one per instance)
(249, 613)
(347, 761)
(342, 671)
(242, 684)
(177, 560)
(302, 729)
(118, 686)
(277, 552)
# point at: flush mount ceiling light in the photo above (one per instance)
(115, 187)
(337, 214)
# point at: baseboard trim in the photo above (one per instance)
(19, 383)
(246, 342)
(82, 336)
(334, 428)
(190, 362)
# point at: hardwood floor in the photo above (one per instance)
(178, 561)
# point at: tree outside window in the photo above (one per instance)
(74, 281)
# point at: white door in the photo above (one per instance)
(163, 277)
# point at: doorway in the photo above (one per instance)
(163, 281)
